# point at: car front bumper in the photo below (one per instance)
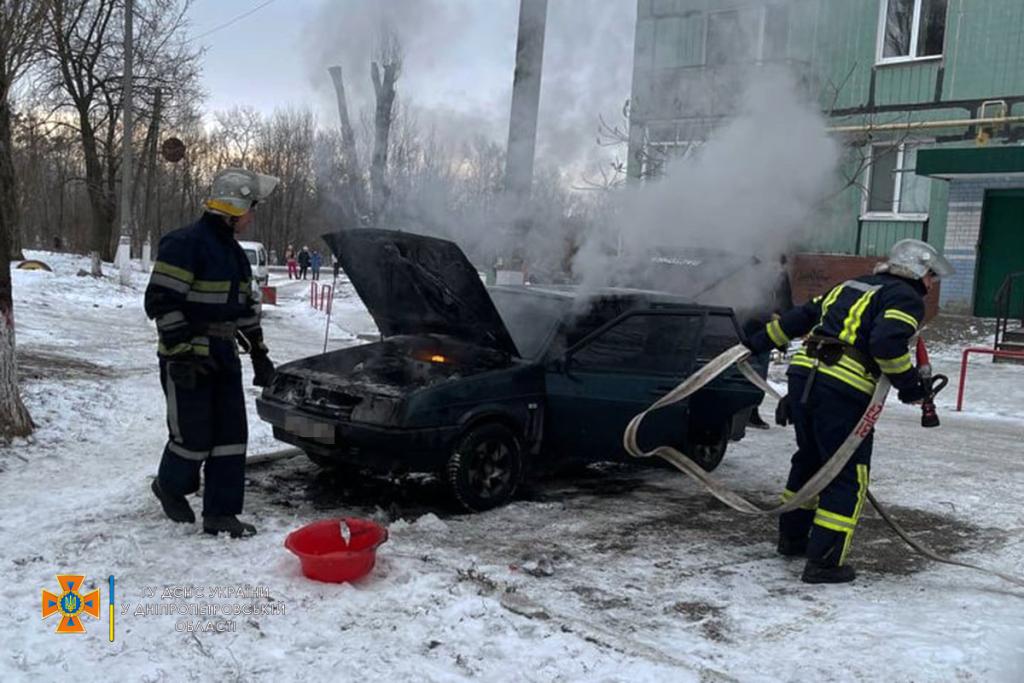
(358, 443)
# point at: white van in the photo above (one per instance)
(257, 254)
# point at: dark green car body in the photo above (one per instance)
(561, 370)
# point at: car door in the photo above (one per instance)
(717, 406)
(597, 387)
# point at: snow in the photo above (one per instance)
(619, 573)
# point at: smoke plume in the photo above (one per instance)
(752, 190)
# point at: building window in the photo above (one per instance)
(911, 29)
(727, 42)
(775, 36)
(743, 36)
(893, 189)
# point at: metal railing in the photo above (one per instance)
(321, 296)
(1005, 300)
(995, 353)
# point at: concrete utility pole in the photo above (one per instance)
(522, 125)
(124, 245)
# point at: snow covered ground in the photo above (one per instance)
(619, 573)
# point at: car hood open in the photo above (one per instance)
(413, 284)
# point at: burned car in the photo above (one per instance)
(481, 385)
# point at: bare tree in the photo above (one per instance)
(85, 52)
(352, 191)
(238, 133)
(20, 21)
(384, 71)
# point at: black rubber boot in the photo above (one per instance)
(792, 547)
(175, 507)
(756, 422)
(229, 523)
(816, 572)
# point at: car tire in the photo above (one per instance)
(485, 467)
(708, 452)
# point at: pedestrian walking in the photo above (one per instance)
(303, 263)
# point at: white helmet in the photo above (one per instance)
(236, 190)
(914, 259)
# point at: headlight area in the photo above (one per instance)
(355, 403)
(377, 410)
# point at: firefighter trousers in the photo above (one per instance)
(822, 423)
(207, 430)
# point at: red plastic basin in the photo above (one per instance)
(324, 554)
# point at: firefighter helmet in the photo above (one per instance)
(236, 190)
(914, 259)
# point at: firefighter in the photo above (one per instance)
(853, 333)
(200, 295)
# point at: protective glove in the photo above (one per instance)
(262, 368)
(914, 393)
(187, 369)
(783, 416)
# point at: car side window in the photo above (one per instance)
(661, 344)
(719, 334)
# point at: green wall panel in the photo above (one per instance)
(878, 236)
(906, 83)
(987, 60)
(844, 50)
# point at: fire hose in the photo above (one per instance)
(737, 356)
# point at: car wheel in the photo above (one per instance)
(709, 452)
(485, 467)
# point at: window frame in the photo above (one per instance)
(759, 41)
(763, 32)
(738, 11)
(895, 214)
(915, 32)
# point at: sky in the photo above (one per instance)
(458, 69)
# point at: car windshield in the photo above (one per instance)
(251, 255)
(530, 318)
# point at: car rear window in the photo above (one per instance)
(662, 344)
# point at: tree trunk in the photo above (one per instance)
(100, 202)
(353, 183)
(14, 417)
(384, 89)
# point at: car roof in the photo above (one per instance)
(569, 293)
(245, 244)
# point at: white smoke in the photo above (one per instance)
(753, 189)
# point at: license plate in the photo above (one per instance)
(307, 428)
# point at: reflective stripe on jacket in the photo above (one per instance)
(876, 314)
(201, 276)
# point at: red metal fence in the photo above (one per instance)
(963, 367)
